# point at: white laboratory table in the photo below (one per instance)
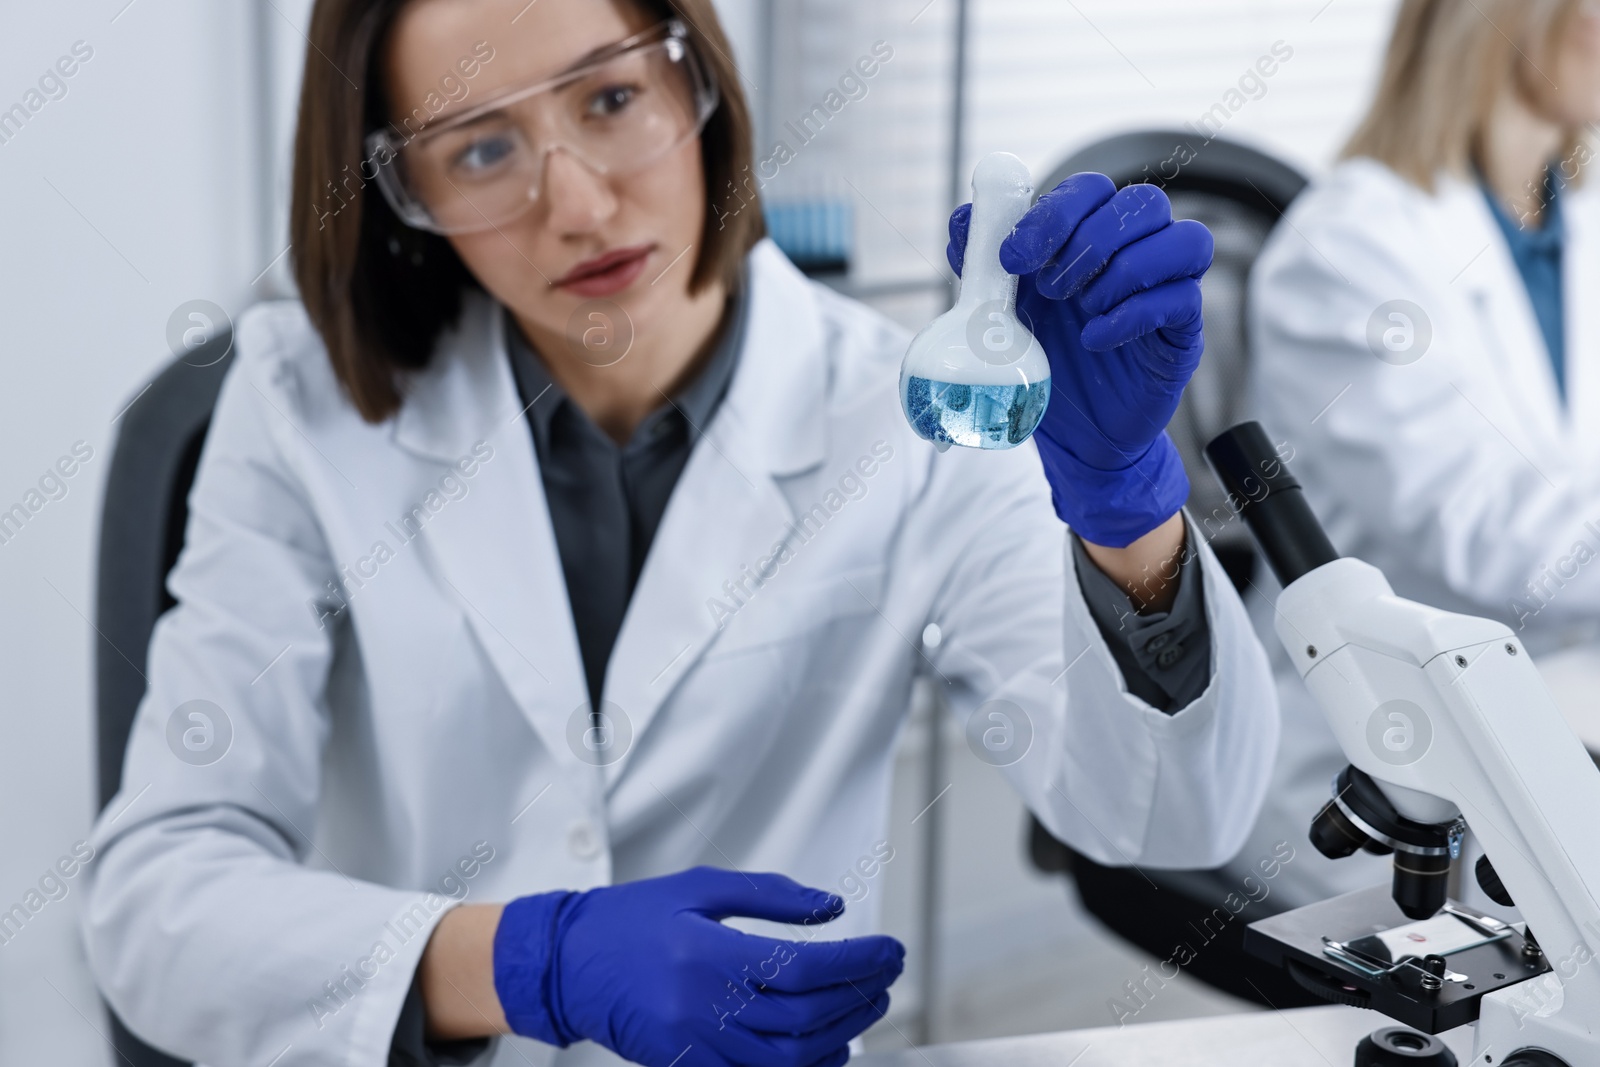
(1301, 1037)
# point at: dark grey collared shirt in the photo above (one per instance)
(606, 502)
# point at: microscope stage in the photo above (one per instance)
(1298, 941)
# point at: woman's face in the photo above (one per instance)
(542, 263)
(1566, 82)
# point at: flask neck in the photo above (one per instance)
(983, 279)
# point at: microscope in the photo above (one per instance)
(1447, 725)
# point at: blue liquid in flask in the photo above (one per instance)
(976, 416)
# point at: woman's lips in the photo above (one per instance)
(607, 274)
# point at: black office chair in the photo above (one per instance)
(1239, 193)
(142, 520)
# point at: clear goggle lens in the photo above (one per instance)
(484, 167)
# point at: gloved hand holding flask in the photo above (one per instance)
(1109, 285)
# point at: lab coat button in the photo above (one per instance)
(582, 841)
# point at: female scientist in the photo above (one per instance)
(563, 537)
(1427, 339)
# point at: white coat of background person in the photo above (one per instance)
(374, 624)
(1398, 350)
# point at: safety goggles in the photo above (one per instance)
(619, 112)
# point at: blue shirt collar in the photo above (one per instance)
(1547, 238)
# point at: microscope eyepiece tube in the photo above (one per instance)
(1270, 501)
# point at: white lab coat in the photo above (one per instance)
(433, 720)
(1461, 474)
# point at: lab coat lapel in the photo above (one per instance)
(495, 550)
(1475, 251)
(1581, 279)
(726, 511)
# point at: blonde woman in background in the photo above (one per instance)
(1426, 337)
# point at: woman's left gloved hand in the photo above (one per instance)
(1110, 286)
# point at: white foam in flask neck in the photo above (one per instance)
(1002, 191)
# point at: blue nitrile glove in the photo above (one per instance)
(648, 970)
(1110, 286)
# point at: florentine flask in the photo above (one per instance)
(975, 376)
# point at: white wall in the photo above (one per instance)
(133, 193)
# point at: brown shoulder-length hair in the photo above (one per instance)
(380, 292)
(1447, 64)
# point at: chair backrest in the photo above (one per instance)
(142, 519)
(1239, 193)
